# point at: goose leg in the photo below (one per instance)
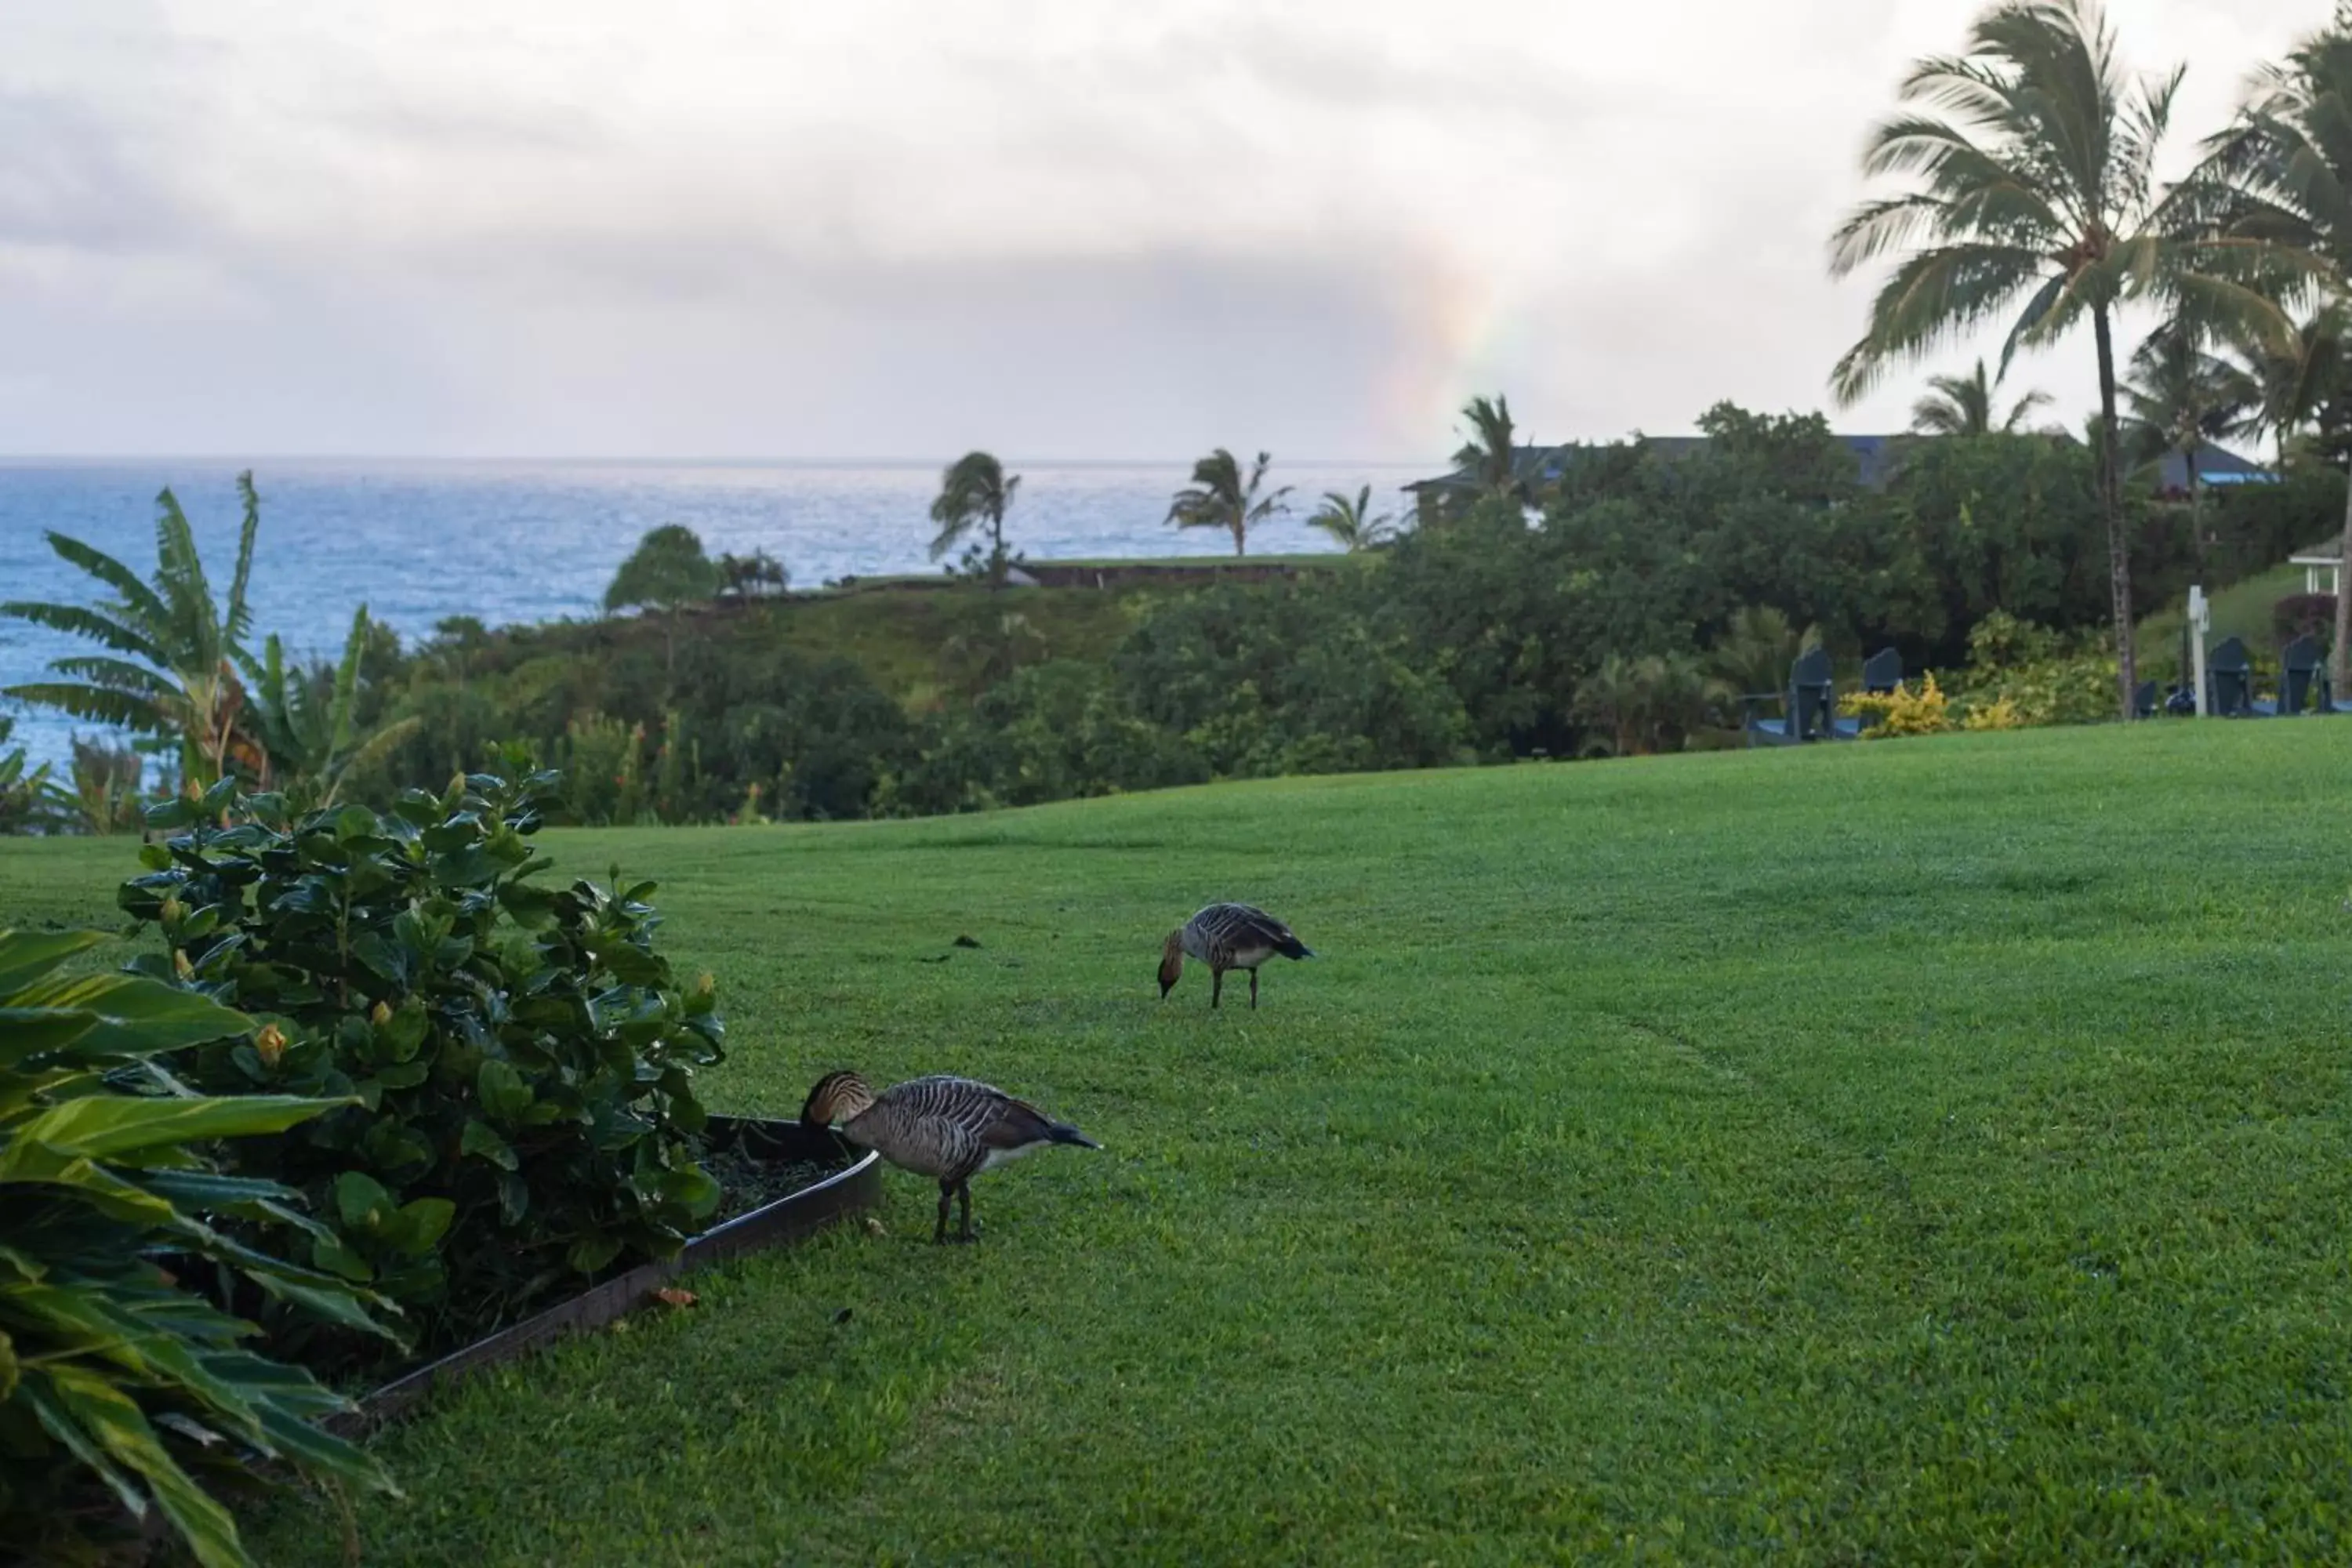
(964, 1197)
(1253, 990)
(939, 1234)
(1216, 985)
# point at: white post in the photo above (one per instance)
(2201, 621)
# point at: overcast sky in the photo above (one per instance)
(899, 228)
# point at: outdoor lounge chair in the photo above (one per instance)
(2299, 677)
(2144, 700)
(1882, 673)
(2229, 677)
(1809, 710)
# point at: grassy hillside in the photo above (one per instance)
(1913, 1151)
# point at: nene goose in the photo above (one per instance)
(1227, 936)
(949, 1129)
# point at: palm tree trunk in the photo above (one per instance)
(2340, 656)
(2196, 513)
(2111, 502)
(1240, 529)
(996, 548)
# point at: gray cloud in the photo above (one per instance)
(897, 229)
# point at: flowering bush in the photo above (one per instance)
(1903, 711)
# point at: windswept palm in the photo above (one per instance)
(973, 489)
(1491, 453)
(1348, 519)
(2289, 379)
(1962, 406)
(2035, 157)
(170, 667)
(1220, 497)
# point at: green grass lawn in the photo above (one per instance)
(1925, 1150)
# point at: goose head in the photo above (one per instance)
(1171, 961)
(837, 1097)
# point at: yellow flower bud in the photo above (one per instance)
(180, 965)
(705, 983)
(173, 910)
(269, 1045)
(380, 1015)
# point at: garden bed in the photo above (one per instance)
(794, 1180)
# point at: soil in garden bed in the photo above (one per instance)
(748, 1183)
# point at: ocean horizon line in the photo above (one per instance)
(119, 459)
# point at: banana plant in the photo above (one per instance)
(123, 1393)
(310, 738)
(169, 667)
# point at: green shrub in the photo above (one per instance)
(521, 1062)
(2026, 675)
(116, 1385)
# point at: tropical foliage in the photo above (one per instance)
(169, 668)
(2033, 196)
(1350, 521)
(123, 1396)
(307, 721)
(1220, 496)
(1489, 453)
(513, 1064)
(1963, 405)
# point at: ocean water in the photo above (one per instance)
(516, 541)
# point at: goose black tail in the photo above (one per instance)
(1063, 1133)
(1294, 948)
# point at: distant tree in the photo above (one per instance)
(666, 571)
(974, 490)
(1220, 497)
(750, 576)
(2182, 397)
(170, 666)
(1348, 519)
(2036, 185)
(1491, 453)
(1962, 406)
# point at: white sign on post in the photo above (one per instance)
(2201, 621)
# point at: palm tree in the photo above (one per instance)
(2182, 397)
(1348, 519)
(1962, 406)
(2278, 180)
(2290, 378)
(1219, 497)
(170, 667)
(1491, 454)
(2035, 155)
(307, 721)
(974, 489)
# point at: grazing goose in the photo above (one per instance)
(949, 1129)
(1227, 936)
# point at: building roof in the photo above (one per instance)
(2215, 466)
